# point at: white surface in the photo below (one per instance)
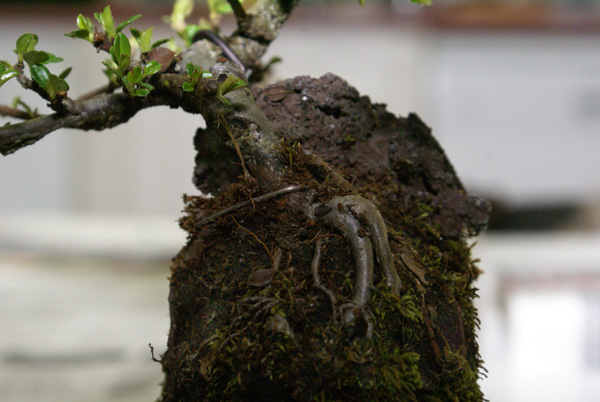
(539, 315)
(139, 236)
(78, 330)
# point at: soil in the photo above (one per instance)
(248, 322)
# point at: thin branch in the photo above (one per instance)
(16, 113)
(264, 197)
(238, 10)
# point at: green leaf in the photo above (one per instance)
(35, 57)
(41, 57)
(6, 75)
(41, 75)
(181, 10)
(5, 65)
(361, 2)
(149, 87)
(121, 52)
(152, 68)
(143, 38)
(109, 64)
(80, 34)
(135, 75)
(206, 74)
(85, 23)
(128, 21)
(219, 6)
(56, 85)
(231, 84)
(65, 73)
(188, 33)
(142, 92)
(190, 68)
(423, 2)
(158, 43)
(187, 87)
(106, 20)
(25, 43)
(53, 59)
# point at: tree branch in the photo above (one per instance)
(98, 113)
(258, 29)
(238, 10)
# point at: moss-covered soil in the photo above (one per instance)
(248, 322)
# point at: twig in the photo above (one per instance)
(152, 354)
(264, 197)
(106, 89)
(236, 146)
(16, 113)
(255, 236)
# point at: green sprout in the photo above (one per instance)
(144, 39)
(195, 73)
(105, 18)
(231, 83)
(118, 65)
(134, 79)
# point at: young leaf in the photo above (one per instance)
(80, 34)
(65, 73)
(128, 21)
(7, 74)
(181, 10)
(189, 32)
(231, 84)
(56, 85)
(112, 68)
(149, 87)
(121, 52)
(41, 75)
(143, 38)
(135, 75)
(35, 57)
(52, 59)
(25, 43)
(187, 87)
(152, 68)
(423, 2)
(158, 43)
(85, 23)
(142, 92)
(219, 7)
(106, 20)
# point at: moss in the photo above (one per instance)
(282, 339)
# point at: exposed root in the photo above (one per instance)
(314, 267)
(351, 215)
(368, 214)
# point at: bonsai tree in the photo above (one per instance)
(331, 262)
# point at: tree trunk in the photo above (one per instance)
(270, 302)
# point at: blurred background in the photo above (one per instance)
(511, 90)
